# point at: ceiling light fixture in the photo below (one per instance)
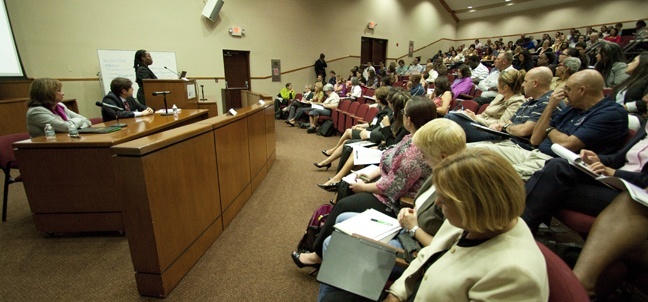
(469, 6)
(472, 10)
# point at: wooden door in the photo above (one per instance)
(237, 77)
(373, 50)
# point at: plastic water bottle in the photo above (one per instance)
(72, 130)
(49, 132)
(175, 111)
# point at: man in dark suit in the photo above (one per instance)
(121, 95)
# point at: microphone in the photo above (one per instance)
(177, 74)
(100, 104)
(161, 93)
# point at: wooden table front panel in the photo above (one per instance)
(233, 160)
(271, 137)
(171, 199)
(69, 180)
(257, 142)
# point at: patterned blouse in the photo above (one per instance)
(402, 173)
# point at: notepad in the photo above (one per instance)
(357, 265)
(99, 130)
(371, 224)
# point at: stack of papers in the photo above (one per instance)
(170, 110)
(371, 224)
(366, 156)
(351, 178)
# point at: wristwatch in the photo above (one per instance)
(412, 231)
(549, 130)
(505, 127)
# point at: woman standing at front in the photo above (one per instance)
(45, 107)
(141, 63)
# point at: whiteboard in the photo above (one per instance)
(119, 63)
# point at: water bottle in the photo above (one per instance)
(72, 130)
(175, 111)
(49, 132)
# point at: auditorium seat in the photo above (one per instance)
(337, 113)
(563, 284)
(483, 108)
(470, 105)
(8, 162)
(359, 115)
(371, 114)
(348, 116)
(370, 92)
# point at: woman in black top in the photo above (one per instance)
(142, 61)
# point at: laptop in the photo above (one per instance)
(183, 74)
(99, 130)
(357, 265)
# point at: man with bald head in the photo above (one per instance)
(536, 87)
(589, 122)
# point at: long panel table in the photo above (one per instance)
(70, 183)
(185, 186)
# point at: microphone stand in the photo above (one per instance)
(118, 124)
(202, 90)
(166, 108)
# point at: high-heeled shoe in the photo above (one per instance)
(325, 154)
(330, 187)
(295, 258)
(292, 124)
(327, 166)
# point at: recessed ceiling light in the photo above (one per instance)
(507, 0)
(472, 10)
(510, 4)
(469, 6)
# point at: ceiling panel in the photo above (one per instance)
(492, 8)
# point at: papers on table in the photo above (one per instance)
(170, 110)
(366, 156)
(317, 106)
(351, 178)
(371, 224)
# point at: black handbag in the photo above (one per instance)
(326, 129)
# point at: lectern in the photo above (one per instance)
(183, 93)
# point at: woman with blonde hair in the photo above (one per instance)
(436, 140)
(483, 251)
(500, 110)
(45, 107)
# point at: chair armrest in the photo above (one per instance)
(407, 202)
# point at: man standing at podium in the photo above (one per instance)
(121, 95)
(141, 63)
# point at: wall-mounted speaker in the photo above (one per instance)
(212, 8)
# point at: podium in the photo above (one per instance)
(183, 93)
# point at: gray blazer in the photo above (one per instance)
(430, 217)
(39, 116)
(617, 74)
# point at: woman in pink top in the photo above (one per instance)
(614, 36)
(442, 95)
(463, 83)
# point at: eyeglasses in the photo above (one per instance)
(403, 112)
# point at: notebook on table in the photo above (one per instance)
(99, 130)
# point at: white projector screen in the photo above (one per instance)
(10, 65)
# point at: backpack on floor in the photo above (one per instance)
(326, 129)
(314, 225)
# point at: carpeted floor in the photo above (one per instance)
(250, 261)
